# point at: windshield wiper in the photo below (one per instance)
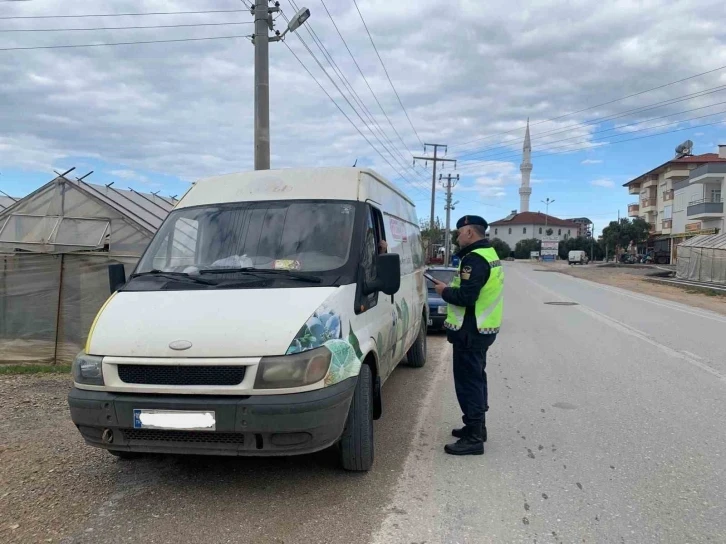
(259, 271)
(174, 276)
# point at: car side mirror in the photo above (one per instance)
(116, 276)
(388, 275)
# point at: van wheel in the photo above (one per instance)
(416, 356)
(356, 444)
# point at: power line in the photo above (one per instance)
(597, 105)
(478, 163)
(349, 87)
(315, 58)
(386, 71)
(364, 77)
(338, 106)
(120, 43)
(597, 121)
(619, 127)
(123, 14)
(120, 27)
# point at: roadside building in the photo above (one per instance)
(681, 198)
(585, 226)
(55, 247)
(525, 225)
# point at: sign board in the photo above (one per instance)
(533, 254)
(547, 244)
(693, 227)
(548, 257)
(549, 252)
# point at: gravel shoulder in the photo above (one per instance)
(637, 280)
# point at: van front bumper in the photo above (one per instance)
(263, 425)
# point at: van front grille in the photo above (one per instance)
(181, 374)
(188, 437)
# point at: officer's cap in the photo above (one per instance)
(471, 220)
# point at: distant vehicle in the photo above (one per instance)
(263, 320)
(577, 257)
(437, 306)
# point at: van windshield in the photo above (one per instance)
(305, 236)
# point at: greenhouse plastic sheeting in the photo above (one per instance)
(48, 303)
(703, 259)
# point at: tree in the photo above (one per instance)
(502, 248)
(622, 233)
(593, 248)
(524, 247)
(429, 237)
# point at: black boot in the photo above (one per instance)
(458, 433)
(470, 444)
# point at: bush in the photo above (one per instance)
(524, 248)
(502, 248)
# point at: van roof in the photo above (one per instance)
(335, 183)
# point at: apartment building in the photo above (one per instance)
(682, 197)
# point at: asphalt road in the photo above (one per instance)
(606, 425)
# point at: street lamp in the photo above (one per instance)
(547, 209)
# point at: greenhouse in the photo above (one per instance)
(55, 248)
(703, 259)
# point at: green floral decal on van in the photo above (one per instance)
(320, 328)
(325, 329)
(344, 364)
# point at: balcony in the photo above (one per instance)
(667, 195)
(633, 210)
(652, 181)
(634, 189)
(648, 204)
(667, 224)
(677, 173)
(705, 208)
(713, 172)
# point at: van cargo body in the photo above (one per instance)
(263, 319)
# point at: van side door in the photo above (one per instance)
(375, 312)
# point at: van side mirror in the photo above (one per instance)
(116, 276)
(388, 275)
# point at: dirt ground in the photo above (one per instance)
(636, 279)
(44, 467)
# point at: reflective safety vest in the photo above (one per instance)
(488, 307)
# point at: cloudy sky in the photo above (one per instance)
(156, 116)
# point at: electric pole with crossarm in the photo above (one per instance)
(435, 159)
(451, 182)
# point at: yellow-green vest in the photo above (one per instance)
(489, 305)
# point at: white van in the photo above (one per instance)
(577, 257)
(263, 319)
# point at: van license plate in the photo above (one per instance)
(174, 420)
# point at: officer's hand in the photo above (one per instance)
(439, 286)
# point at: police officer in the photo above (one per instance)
(474, 316)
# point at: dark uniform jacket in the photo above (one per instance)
(478, 270)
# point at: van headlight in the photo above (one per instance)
(87, 369)
(295, 370)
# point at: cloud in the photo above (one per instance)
(603, 182)
(591, 161)
(185, 109)
(129, 174)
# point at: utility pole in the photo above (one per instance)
(435, 159)
(449, 206)
(264, 23)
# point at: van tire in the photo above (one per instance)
(416, 356)
(356, 444)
